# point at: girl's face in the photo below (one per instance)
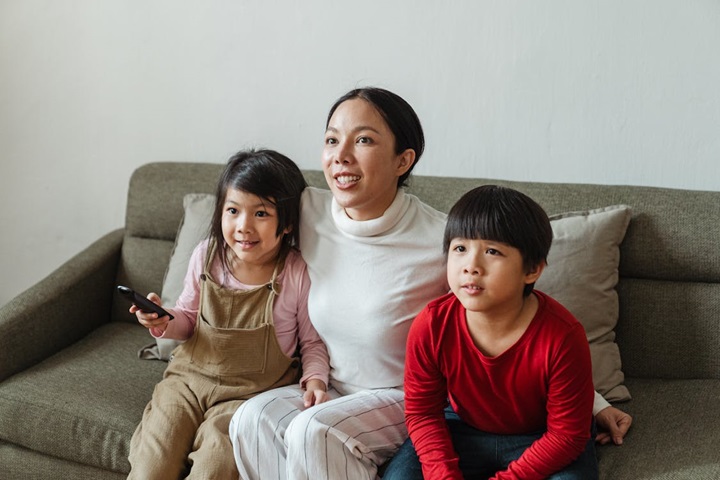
(488, 277)
(359, 160)
(249, 226)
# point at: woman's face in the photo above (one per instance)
(359, 160)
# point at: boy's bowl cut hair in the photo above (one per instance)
(399, 116)
(271, 176)
(501, 214)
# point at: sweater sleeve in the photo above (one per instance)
(188, 303)
(569, 413)
(425, 400)
(314, 355)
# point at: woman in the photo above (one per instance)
(375, 259)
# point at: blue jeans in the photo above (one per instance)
(483, 454)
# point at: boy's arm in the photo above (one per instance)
(569, 413)
(425, 401)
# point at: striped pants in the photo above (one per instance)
(275, 437)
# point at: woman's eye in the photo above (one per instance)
(232, 210)
(330, 141)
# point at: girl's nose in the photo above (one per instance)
(244, 223)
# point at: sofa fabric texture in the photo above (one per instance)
(72, 387)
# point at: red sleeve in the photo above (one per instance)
(569, 413)
(425, 401)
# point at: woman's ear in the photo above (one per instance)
(407, 158)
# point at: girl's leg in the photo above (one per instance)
(346, 438)
(162, 442)
(212, 452)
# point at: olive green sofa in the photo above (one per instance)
(72, 388)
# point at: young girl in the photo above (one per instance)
(243, 311)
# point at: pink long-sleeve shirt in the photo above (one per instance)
(290, 313)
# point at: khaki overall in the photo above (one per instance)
(232, 355)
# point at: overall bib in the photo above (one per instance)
(232, 355)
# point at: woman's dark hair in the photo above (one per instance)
(399, 116)
(271, 176)
(501, 214)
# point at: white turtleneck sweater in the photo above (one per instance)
(369, 279)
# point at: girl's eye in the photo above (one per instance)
(330, 141)
(492, 251)
(459, 248)
(232, 210)
(261, 213)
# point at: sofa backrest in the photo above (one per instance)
(669, 286)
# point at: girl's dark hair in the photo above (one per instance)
(399, 116)
(271, 176)
(501, 214)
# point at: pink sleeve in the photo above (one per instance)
(315, 359)
(187, 305)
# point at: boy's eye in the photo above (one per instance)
(364, 140)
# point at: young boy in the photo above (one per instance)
(512, 362)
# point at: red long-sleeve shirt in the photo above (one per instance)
(542, 382)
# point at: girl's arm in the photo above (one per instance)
(314, 355)
(187, 305)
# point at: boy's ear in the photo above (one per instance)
(534, 273)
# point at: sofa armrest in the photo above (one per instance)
(60, 309)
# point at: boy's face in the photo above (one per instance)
(488, 277)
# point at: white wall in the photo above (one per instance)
(612, 91)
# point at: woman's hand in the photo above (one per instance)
(150, 320)
(613, 425)
(315, 392)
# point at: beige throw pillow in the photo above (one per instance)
(194, 227)
(582, 273)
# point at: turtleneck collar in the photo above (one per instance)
(375, 226)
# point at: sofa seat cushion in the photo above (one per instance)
(674, 432)
(84, 403)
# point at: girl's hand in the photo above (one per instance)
(315, 392)
(150, 320)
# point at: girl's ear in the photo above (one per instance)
(287, 230)
(534, 273)
(407, 158)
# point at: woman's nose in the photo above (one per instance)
(342, 153)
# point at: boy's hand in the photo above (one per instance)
(614, 425)
(315, 392)
(150, 320)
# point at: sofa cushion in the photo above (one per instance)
(582, 274)
(673, 435)
(84, 403)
